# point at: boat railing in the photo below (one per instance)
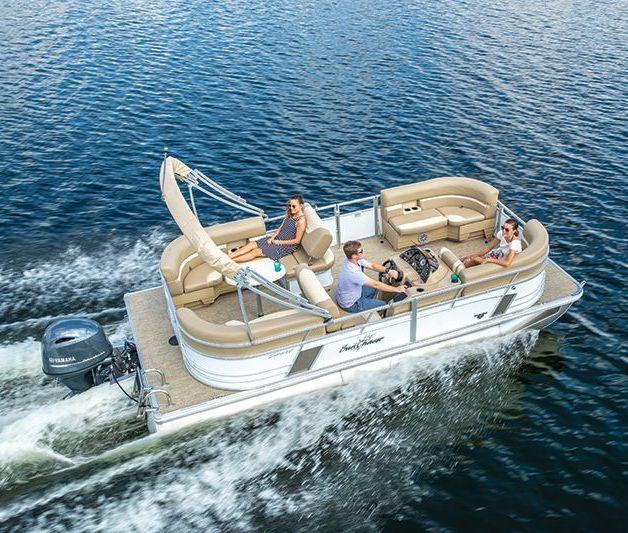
(373, 200)
(511, 274)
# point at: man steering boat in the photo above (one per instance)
(356, 291)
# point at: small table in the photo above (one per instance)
(265, 267)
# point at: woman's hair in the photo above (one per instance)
(514, 225)
(298, 198)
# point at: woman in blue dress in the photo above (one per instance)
(283, 242)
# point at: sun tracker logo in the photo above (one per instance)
(365, 341)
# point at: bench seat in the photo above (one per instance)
(418, 221)
(460, 216)
(452, 208)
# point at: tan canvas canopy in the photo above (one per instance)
(189, 225)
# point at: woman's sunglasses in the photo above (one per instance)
(506, 228)
(293, 206)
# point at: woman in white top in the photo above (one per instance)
(501, 250)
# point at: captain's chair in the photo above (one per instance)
(316, 294)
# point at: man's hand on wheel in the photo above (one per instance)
(393, 274)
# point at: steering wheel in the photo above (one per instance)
(384, 277)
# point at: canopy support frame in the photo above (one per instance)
(283, 297)
(220, 194)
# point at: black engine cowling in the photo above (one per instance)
(74, 350)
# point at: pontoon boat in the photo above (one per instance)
(218, 337)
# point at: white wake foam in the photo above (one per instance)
(19, 359)
(309, 456)
(78, 281)
(31, 436)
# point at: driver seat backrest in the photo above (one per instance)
(316, 294)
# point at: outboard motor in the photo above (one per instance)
(77, 352)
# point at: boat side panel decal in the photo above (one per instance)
(304, 360)
(503, 304)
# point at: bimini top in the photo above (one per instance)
(187, 221)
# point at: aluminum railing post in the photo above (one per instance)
(413, 320)
(498, 218)
(337, 217)
(376, 214)
(245, 317)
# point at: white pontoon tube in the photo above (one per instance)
(190, 226)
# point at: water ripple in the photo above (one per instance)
(331, 99)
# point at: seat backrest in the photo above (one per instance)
(311, 217)
(180, 249)
(316, 242)
(437, 187)
(536, 242)
(317, 238)
(238, 230)
(316, 294)
(451, 260)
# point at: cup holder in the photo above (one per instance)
(415, 208)
(420, 289)
(233, 250)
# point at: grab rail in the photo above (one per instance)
(159, 373)
(160, 391)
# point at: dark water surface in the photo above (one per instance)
(333, 99)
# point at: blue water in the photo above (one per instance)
(332, 99)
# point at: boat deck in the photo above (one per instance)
(152, 328)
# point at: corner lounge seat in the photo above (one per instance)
(535, 242)
(536, 248)
(189, 279)
(453, 208)
(192, 282)
(266, 327)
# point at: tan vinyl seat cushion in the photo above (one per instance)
(316, 242)
(419, 221)
(451, 260)
(299, 257)
(459, 216)
(201, 277)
